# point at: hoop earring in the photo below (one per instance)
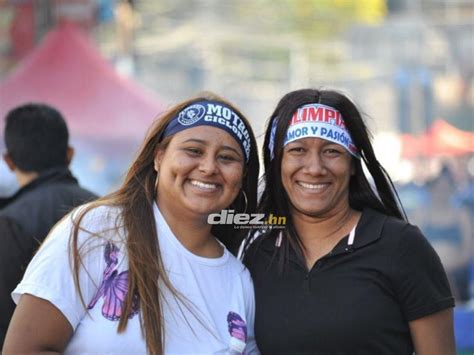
(157, 180)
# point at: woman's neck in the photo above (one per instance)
(330, 226)
(194, 233)
(319, 235)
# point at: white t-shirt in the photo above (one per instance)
(219, 318)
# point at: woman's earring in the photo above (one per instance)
(157, 181)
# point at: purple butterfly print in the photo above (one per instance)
(111, 255)
(113, 288)
(237, 326)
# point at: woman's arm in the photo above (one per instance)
(434, 335)
(37, 326)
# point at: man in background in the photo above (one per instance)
(36, 140)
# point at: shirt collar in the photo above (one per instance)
(368, 230)
(167, 237)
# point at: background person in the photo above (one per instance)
(447, 226)
(36, 139)
(150, 272)
(349, 275)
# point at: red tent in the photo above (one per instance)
(68, 72)
(441, 139)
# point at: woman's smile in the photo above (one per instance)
(204, 185)
(313, 187)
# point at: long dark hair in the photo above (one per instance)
(135, 201)
(382, 197)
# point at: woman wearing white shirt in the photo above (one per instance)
(141, 270)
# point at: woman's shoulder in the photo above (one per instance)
(96, 215)
(89, 223)
(259, 248)
(238, 268)
(96, 218)
(250, 242)
(386, 224)
(398, 233)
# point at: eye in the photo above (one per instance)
(296, 150)
(333, 151)
(192, 151)
(227, 158)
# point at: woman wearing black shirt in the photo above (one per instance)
(348, 274)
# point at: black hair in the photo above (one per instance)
(381, 197)
(36, 137)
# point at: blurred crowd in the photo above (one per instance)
(440, 200)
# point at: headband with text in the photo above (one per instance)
(316, 121)
(215, 114)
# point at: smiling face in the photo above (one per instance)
(200, 171)
(315, 174)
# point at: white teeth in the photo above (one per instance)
(203, 185)
(312, 186)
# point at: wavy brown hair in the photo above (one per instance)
(135, 200)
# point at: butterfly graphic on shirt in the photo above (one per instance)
(114, 287)
(238, 333)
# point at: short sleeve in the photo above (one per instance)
(419, 277)
(50, 274)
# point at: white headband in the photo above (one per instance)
(316, 121)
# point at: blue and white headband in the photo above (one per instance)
(316, 121)
(215, 114)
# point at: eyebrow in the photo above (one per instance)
(195, 140)
(200, 141)
(332, 143)
(226, 147)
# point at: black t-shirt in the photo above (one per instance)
(356, 300)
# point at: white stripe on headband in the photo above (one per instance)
(315, 121)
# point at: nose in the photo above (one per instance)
(208, 165)
(314, 164)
